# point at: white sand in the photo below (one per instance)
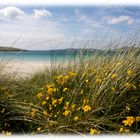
(24, 68)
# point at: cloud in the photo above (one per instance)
(119, 19)
(11, 13)
(41, 13)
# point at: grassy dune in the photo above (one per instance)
(100, 95)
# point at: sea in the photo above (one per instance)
(37, 56)
(42, 55)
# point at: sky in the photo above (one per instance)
(54, 27)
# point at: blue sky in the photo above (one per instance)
(47, 27)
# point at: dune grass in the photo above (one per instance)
(98, 95)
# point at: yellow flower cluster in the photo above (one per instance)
(71, 74)
(61, 79)
(60, 100)
(39, 129)
(86, 108)
(123, 130)
(66, 113)
(129, 121)
(85, 101)
(54, 102)
(73, 107)
(76, 118)
(65, 89)
(39, 95)
(66, 106)
(114, 76)
(94, 131)
(130, 72)
(44, 103)
(51, 89)
(129, 86)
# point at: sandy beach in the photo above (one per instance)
(24, 68)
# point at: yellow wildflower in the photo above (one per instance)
(94, 131)
(60, 100)
(44, 103)
(73, 106)
(51, 89)
(66, 106)
(39, 95)
(65, 89)
(85, 101)
(127, 85)
(76, 118)
(71, 74)
(87, 81)
(54, 102)
(114, 76)
(47, 97)
(60, 79)
(66, 113)
(39, 129)
(86, 108)
(130, 72)
(138, 118)
(122, 130)
(129, 121)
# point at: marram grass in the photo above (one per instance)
(100, 95)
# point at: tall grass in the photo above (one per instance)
(97, 95)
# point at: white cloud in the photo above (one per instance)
(11, 13)
(119, 19)
(41, 13)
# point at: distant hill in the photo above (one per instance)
(123, 50)
(2, 48)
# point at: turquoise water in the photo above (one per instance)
(37, 55)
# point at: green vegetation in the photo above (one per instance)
(99, 95)
(2, 48)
